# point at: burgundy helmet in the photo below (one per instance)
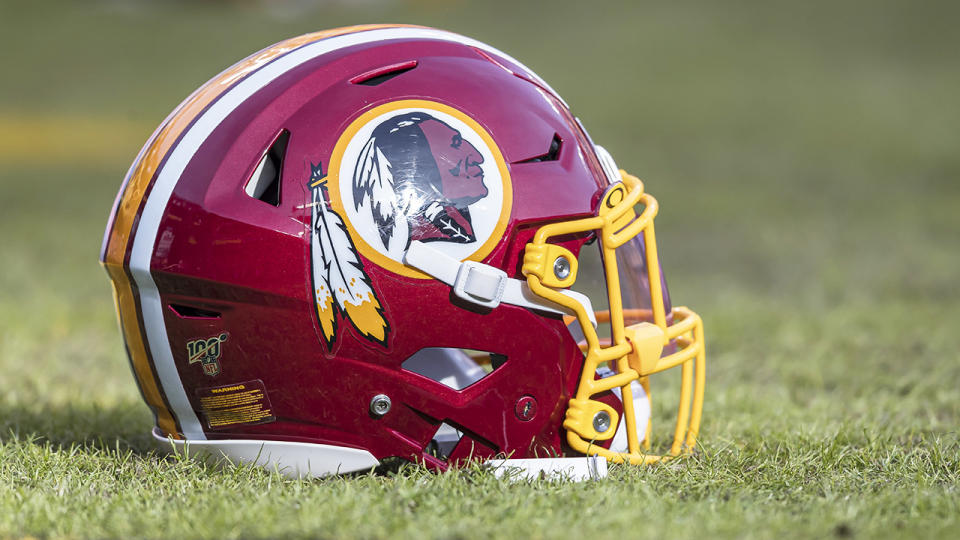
(392, 241)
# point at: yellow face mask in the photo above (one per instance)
(643, 341)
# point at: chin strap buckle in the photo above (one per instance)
(480, 284)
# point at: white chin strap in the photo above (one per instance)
(641, 412)
(485, 285)
(576, 469)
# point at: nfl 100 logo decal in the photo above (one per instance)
(206, 352)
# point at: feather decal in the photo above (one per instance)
(373, 180)
(321, 283)
(340, 283)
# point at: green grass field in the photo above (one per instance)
(807, 160)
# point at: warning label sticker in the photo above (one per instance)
(243, 403)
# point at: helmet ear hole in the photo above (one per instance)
(452, 367)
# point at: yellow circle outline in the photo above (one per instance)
(333, 173)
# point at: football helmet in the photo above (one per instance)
(393, 241)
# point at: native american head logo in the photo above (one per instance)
(406, 171)
(419, 176)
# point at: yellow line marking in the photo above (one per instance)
(31, 137)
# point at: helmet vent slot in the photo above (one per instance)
(552, 154)
(452, 367)
(444, 441)
(383, 74)
(264, 183)
(191, 312)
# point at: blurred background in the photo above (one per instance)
(805, 155)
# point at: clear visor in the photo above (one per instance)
(634, 286)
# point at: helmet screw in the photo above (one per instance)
(526, 408)
(380, 405)
(561, 267)
(601, 421)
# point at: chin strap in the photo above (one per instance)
(576, 469)
(485, 285)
